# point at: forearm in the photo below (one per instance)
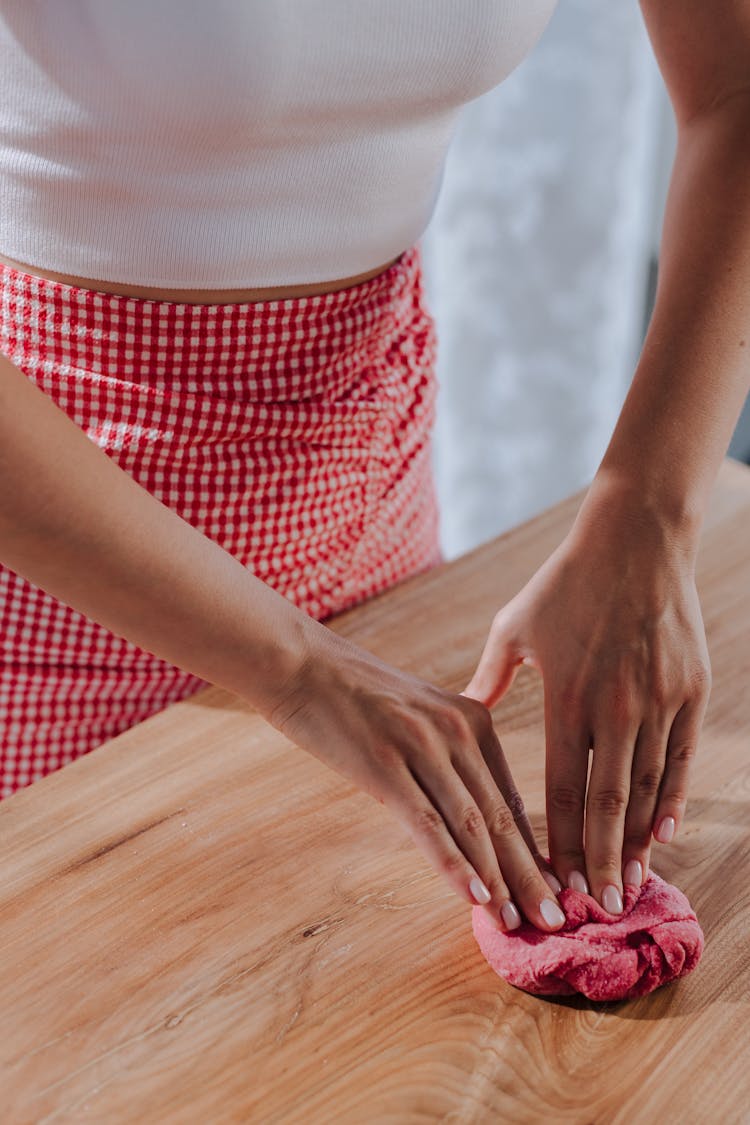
(694, 370)
(79, 527)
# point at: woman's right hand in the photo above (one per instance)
(433, 758)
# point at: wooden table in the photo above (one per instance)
(200, 922)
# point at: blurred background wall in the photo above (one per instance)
(540, 266)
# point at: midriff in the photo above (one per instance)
(199, 296)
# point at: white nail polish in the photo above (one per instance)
(479, 891)
(510, 915)
(633, 874)
(577, 882)
(552, 881)
(551, 912)
(665, 831)
(612, 900)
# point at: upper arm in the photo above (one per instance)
(702, 48)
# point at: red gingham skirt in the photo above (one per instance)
(295, 433)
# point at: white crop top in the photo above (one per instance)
(236, 143)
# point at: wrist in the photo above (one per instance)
(320, 657)
(297, 643)
(645, 513)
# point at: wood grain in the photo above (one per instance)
(199, 922)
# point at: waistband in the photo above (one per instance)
(295, 347)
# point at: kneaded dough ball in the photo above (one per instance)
(656, 939)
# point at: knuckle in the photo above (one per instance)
(515, 805)
(472, 821)
(621, 721)
(527, 884)
(454, 725)
(647, 782)
(500, 821)
(415, 729)
(412, 731)
(620, 711)
(429, 821)
(682, 753)
(609, 803)
(607, 865)
(660, 693)
(566, 800)
(453, 863)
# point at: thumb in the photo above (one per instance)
(496, 669)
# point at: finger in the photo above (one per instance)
(566, 771)
(681, 749)
(510, 832)
(496, 762)
(606, 804)
(474, 877)
(494, 756)
(468, 827)
(496, 669)
(645, 781)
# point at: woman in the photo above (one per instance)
(195, 473)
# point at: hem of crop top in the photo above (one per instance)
(200, 296)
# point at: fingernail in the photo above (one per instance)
(551, 912)
(511, 917)
(612, 900)
(633, 873)
(665, 831)
(552, 882)
(479, 891)
(577, 882)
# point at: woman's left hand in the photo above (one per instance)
(613, 622)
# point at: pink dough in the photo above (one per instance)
(656, 939)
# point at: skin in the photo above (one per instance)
(612, 619)
(199, 296)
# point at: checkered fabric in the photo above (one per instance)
(295, 433)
